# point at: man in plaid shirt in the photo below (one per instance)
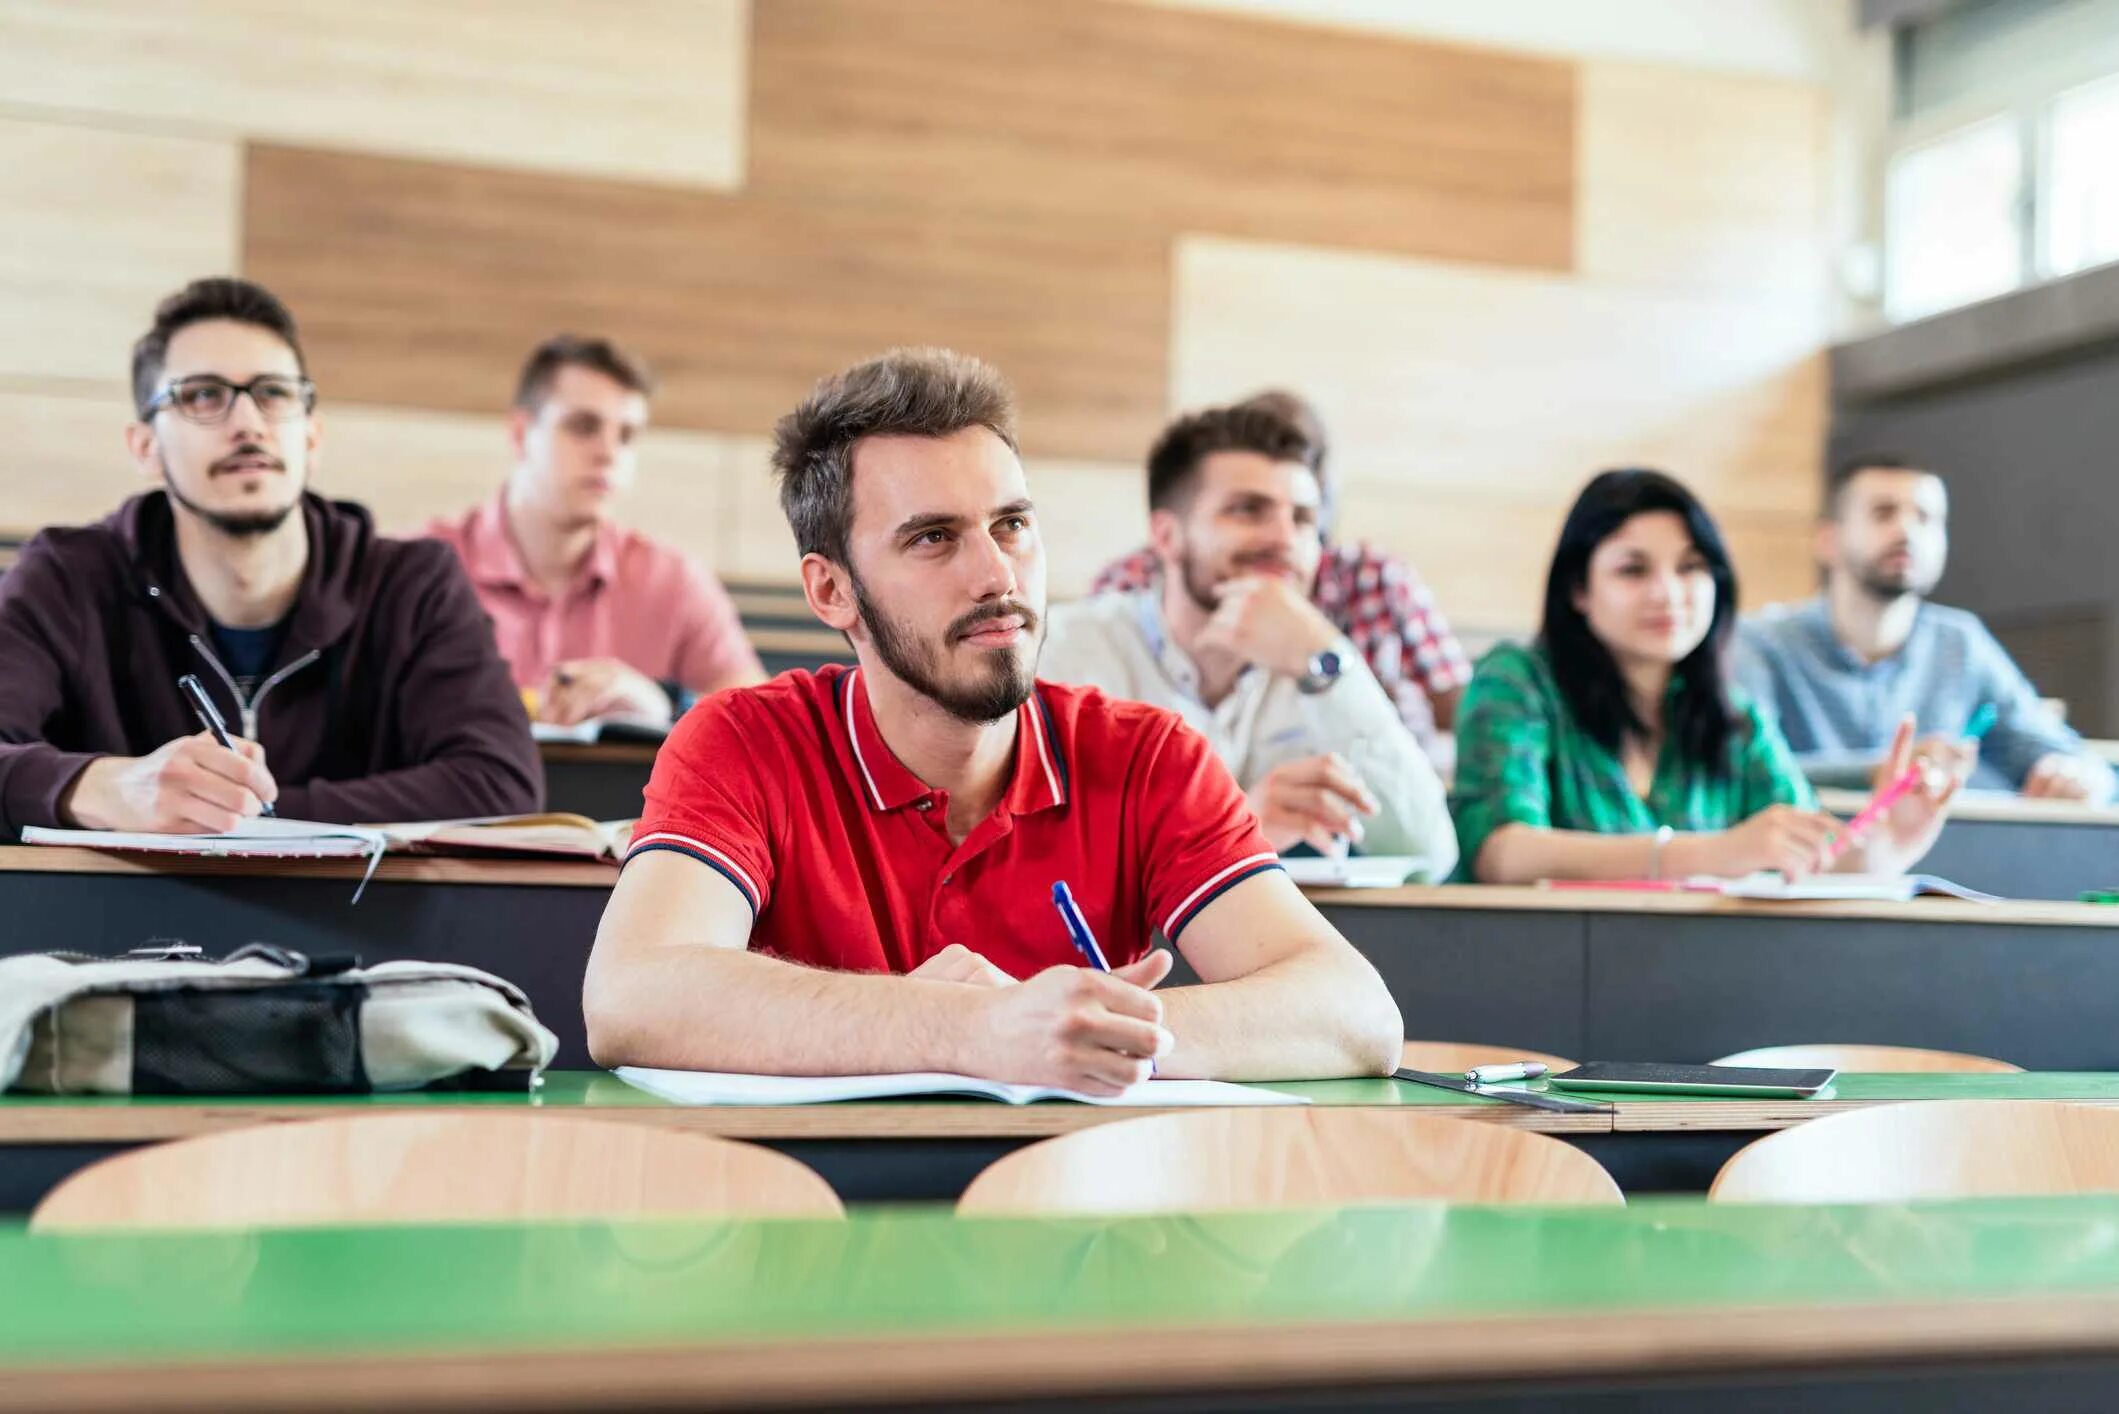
(1372, 596)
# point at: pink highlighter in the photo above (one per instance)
(1982, 721)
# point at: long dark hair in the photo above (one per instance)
(1699, 718)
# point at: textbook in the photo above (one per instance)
(555, 833)
(1355, 871)
(1885, 888)
(602, 730)
(713, 1087)
(567, 836)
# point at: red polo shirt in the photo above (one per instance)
(788, 790)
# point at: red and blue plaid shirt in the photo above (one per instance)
(1379, 603)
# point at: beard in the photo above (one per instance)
(1203, 586)
(998, 684)
(1886, 584)
(237, 525)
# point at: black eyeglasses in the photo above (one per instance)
(206, 397)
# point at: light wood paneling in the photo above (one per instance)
(1091, 115)
(711, 496)
(421, 284)
(653, 89)
(95, 228)
(411, 466)
(1090, 514)
(1468, 405)
(65, 462)
(1704, 180)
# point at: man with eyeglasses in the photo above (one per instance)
(357, 675)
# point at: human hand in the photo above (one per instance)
(1071, 1027)
(601, 687)
(1318, 799)
(190, 786)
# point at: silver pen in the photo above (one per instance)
(1519, 1070)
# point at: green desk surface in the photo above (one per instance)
(112, 1119)
(378, 1296)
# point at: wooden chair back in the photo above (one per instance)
(447, 1167)
(1456, 1057)
(1929, 1149)
(1311, 1156)
(1900, 1060)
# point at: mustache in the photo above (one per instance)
(999, 609)
(1263, 559)
(248, 449)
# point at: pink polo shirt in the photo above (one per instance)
(647, 604)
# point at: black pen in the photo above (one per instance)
(210, 716)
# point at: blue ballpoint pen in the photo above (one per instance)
(1077, 926)
(1070, 913)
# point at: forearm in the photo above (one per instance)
(36, 784)
(1320, 1014)
(1358, 719)
(1524, 854)
(689, 1006)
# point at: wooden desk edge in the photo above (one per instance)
(565, 873)
(1508, 898)
(598, 753)
(398, 868)
(1487, 1349)
(2009, 810)
(57, 1122)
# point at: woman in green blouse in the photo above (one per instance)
(1615, 746)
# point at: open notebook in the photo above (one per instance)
(566, 836)
(709, 1087)
(598, 730)
(1354, 871)
(1886, 888)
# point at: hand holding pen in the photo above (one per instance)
(210, 718)
(1910, 826)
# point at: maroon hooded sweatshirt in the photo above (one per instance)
(388, 699)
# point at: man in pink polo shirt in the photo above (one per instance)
(854, 871)
(593, 618)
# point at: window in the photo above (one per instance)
(2002, 164)
(2082, 178)
(1953, 219)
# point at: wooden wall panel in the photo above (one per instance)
(1494, 395)
(424, 285)
(653, 89)
(83, 261)
(1704, 180)
(1092, 114)
(411, 466)
(65, 461)
(1089, 514)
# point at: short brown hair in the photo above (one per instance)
(1295, 409)
(904, 393)
(1173, 462)
(1844, 471)
(578, 351)
(222, 297)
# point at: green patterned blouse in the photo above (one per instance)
(1522, 759)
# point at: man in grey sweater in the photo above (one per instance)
(1840, 670)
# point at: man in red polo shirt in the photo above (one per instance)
(852, 871)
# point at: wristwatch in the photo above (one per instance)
(1324, 671)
